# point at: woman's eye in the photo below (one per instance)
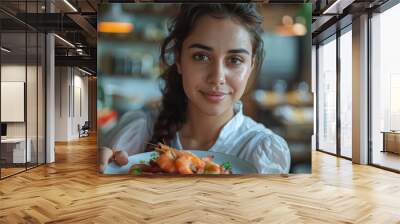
(235, 60)
(200, 57)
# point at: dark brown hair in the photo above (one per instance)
(173, 112)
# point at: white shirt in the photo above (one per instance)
(241, 137)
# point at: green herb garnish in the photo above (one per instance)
(227, 165)
(143, 161)
(154, 156)
(136, 170)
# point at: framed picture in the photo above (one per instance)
(204, 88)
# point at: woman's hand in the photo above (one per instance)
(108, 155)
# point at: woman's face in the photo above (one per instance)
(215, 63)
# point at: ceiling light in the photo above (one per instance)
(299, 29)
(116, 21)
(5, 50)
(64, 40)
(86, 72)
(289, 28)
(338, 6)
(287, 20)
(70, 5)
(115, 27)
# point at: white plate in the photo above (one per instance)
(238, 166)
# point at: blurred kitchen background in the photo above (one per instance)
(128, 48)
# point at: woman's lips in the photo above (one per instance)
(214, 97)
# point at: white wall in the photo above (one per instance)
(33, 127)
(10, 73)
(61, 103)
(16, 73)
(81, 85)
(71, 87)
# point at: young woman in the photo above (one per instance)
(210, 53)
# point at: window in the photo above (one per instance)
(327, 96)
(385, 89)
(346, 93)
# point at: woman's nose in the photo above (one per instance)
(216, 75)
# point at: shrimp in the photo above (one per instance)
(198, 163)
(188, 164)
(166, 161)
(184, 164)
(168, 157)
(179, 161)
(212, 168)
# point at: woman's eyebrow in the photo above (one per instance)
(207, 48)
(238, 51)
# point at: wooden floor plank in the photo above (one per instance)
(71, 191)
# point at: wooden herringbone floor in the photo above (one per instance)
(70, 191)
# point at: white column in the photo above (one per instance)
(50, 93)
(360, 90)
(314, 92)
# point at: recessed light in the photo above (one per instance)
(5, 50)
(70, 5)
(86, 72)
(64, 40)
